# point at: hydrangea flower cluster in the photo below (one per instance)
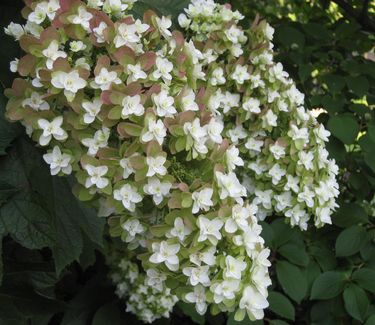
(183, 142)
(287, 169)
(145, 294)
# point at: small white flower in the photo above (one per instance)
(52, 53)
(105, 79)
(99, 32)
(131, 105)
(198, 274)
(96, 178)
(214, 129)
(163, 69)
(209, 229)
(306, 159)
(225, 290)
(126, 35)
(164, 104)
(195, 130)
(36, 102)
(307, 196)
(82, 63)
(237, 133)
(183, 21)
(251, 105)
(254, 303)
(163, 24)
(166, 253)
(135, 72)
(188, 102)
(283, 201)
(240, 218)
(82, 18)
(292, 184)
(133, 228)
(156, 166)
(217, 77)
(155, 131)
(157, 189)
(71, 82)
(14, 30)
(207, 256)
(233, 159)
(234, 267)
(51, 129)
(33, 29)
(202, 200)
(52, 7)
(230, 186)
(76, 46)
(269, 119)
(240, 74)
(39, 14)
(180, 230)
(58, 161)
(277, 151)
(321, 133)
(100, 140)
(128, 170)
(128, 195)
(141, 28)
(198, 296)
(264, 198)
(114, 6)
(95, 3)
(13, 65)
(155, 278)
(92, 109)
(276, 173)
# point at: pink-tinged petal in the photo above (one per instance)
(66, 5)
(179, 39)
(27, 41)
(124, 55)
(147, 60)
(26, 65)
(48, 35)
(61, 64)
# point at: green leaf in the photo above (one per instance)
(278, 322)
(323, 255)
(344, 127)
(350, 241)
(161, 7)
(294, 253)
(335, 83)
(189, 310)
(290, 36)
(370, 320)
(292, 280)
(358, 85)
(107, 314)
(328, 285)
(356, 302)
(281, 305)
(365, 278)
(27, 222)
(349, 214)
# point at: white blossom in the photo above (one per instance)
(128, 195)
(58, 161)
